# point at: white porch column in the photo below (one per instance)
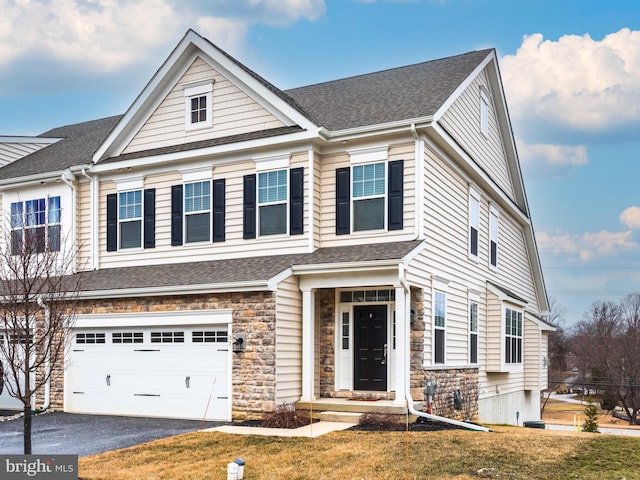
(403, 346)
(308, 344)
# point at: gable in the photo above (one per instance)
(462, 120)
(233, 112)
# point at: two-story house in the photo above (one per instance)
(241, 246)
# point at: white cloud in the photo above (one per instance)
(631, 218)
(578, 82)
(547, 160)
(81, 38)
(587, 246)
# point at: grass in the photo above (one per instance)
(509, 452)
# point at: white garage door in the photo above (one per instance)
(7, 401)
(171, 371)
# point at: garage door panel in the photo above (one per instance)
(173, 372)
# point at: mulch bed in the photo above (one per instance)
(418, 426)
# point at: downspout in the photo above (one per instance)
(74, 208)
(47, 364)
(407, 368)
(94, 220)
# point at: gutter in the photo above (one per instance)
(407, 368)
(74, 207)
(47, 364)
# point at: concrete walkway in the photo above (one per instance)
(312, 431)
(608, 430)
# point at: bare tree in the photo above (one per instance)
(38, 297)
(558, 350)
(606, 343)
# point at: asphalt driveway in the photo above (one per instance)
(60, 433)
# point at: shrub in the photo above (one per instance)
(609, 401)
(286, 416)
(591, 417)
(380, 421)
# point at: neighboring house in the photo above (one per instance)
(352, 238)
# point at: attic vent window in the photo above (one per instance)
(198, 102)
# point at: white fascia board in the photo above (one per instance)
(39, 178)
(463, 86)
(275, 280)
(345, 267)
(260, 285)
(218, 150)
(541, 324)
(19, 139)
(503, 297)
(154, 319)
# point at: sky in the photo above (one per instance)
(570, 69)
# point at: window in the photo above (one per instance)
(272, 202)
(35, 225)
(127, 337)
(344, 334)
(474, 220)
(90, 338)
(484, 111)
(197, 211)
(473, 332)
(355, 296)
(439, 325)
(167, 337)
(513, 336)
(213, 336)
(493, 237)
(368, 197)
(130, 219)
(198, 108)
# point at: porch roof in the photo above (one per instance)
(229, 274)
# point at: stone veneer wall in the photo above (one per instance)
(254, 314)
(326, 301)
(465, 380)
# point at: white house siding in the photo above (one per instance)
(462, 121)
(535, 355)
(233, 247)
(11, 151)
(327, 200)
(83, 224)
(288, 341)
(234, 112)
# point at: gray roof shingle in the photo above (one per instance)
(252, 269)
(414, 91)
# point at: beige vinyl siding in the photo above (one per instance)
(288, 341)
(327, 200)
(495, 335)
(234, 245)
(533, 355)
(83, 225)
(234, 112)
(462, 121)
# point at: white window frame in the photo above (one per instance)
(130, 219)
(197, 90)
(187, 214)
(474, 222)
(494, 236)
(384, 196)
(267, 203)
(510, 336)
(442, 328)
(22, 225)
(474, 315)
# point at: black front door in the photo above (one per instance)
(370, 342)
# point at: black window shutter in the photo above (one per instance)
(150, 218)
(396, 194)
(343, 194)
(249, 209)
(112, 222)
(296, 201)
(176, 215)
(218, 210)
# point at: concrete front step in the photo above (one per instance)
(355, 406)
(341, 417)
